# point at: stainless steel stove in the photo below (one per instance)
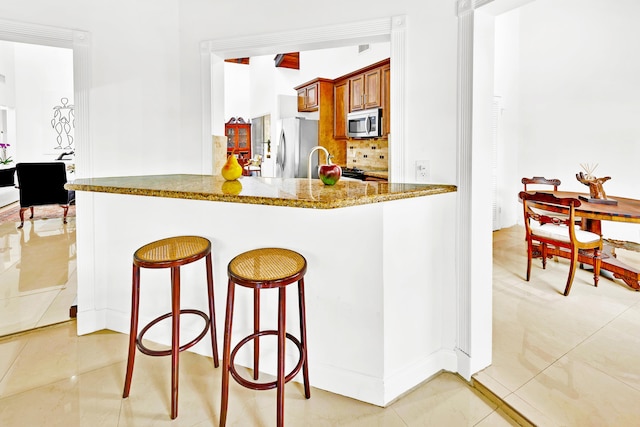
(354, 173)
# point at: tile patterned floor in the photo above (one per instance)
(53, 377)
(37, 273)
(563, 361)
(50, 376)
(558, 361)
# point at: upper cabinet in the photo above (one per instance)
(365, 90)
(368, 87)
(308, 97)
(309, 94)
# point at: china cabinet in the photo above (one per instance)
(238, 137)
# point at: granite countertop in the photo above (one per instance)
(292, 192)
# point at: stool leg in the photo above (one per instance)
(282, 302)
(256, 329)
(303, 337)
(226, 354)
(133, 330)
(175, 338)
(212, 312)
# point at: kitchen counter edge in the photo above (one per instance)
(208, 187)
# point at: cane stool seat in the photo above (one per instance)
(260, 269)
(267, 267)
(172, 252)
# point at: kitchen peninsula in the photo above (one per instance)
(380, 267)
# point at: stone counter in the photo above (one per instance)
(291, 192)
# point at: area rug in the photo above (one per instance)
(12, 213)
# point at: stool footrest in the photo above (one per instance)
(272, 384)
(183, 347)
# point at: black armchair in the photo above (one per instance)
(42, 184)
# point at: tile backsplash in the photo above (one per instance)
(368, 154)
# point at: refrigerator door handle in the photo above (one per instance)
(281, 157)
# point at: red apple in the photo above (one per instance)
(329, 174)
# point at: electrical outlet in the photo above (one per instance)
(423, 171)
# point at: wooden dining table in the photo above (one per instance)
(592, 214)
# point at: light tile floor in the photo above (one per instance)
(53, 377)
(559, 361)
(563, 361)
(37, 273)
(50, 376)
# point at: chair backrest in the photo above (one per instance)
(42, 183)
(541, 181)
(549, 209)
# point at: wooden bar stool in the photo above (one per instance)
(263, 269)
(172, 253)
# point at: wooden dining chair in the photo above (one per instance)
(539, 180)
(549, 225)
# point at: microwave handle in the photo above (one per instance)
(368, 124)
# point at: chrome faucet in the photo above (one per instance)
(314, 149)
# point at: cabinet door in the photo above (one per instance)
(372, 89)
(312, 96)
(356, 97)
(386, 101)
(231, 138)
(308, 99)
(341, 107)
(244, 139)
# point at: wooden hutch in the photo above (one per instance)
(238, 137)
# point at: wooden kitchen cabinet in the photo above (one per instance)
(238, 137)
(308, 97)
(365, 90)
(386, 100)
(320, 91)
(341, 108)
(368, 87)
(311, 94)
(356, 93)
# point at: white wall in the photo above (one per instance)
(36, 78)
(507, 86)
(579, 97)
(135, 118)
(237, 91)
(7, 98)
(43, 76)
(7, 69)
(146, 110)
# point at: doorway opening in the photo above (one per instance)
(215, 52)
(40, 258)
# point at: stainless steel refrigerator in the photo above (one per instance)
(297, 137)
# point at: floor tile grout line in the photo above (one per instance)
(511, 411)
(55, 381)
(13, 362)
(52, 313)
(566, 353)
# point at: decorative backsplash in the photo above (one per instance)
(368, 154)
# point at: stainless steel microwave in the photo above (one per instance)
(365, 123)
